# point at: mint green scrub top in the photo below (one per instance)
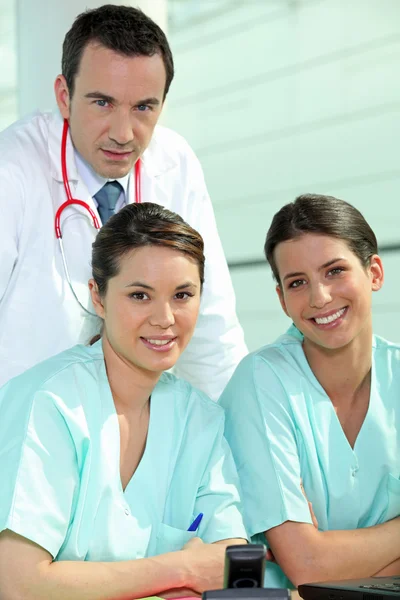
(59, 460)
(282, 427)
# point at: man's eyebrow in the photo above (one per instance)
(324, 266)
(152, 101)
(101, 96)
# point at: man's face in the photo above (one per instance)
(115, 106)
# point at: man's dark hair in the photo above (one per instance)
(123, 29)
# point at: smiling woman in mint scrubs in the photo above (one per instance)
(106, 460)
(315, 416)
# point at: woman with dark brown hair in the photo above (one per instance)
(313, 419)
(111, 467)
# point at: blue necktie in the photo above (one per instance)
(106, 199)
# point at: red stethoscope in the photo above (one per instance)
(70, 201)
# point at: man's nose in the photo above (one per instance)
(121, 129)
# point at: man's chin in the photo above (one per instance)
(113, 172)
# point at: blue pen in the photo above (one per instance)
(196, 523)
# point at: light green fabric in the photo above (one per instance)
(59, 459)
(282, 426)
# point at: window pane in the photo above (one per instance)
(8, 71)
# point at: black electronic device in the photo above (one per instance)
(248, 594)
(244, 566)
(244, 576)
(371, 588)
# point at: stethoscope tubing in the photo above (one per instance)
(70, 201)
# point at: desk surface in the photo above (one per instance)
(294, 594)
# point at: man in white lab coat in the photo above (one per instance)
(116, 71)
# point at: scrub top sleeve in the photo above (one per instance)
(218, 343)
(262, 435)
(218, 496)
(39, 468)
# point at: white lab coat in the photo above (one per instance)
(38, 314)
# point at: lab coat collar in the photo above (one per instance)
(156, 159)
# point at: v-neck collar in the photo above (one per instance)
(152, 477)
(313, 379)
(112, 411)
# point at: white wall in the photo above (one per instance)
(282, 97)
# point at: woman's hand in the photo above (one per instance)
(204, 564)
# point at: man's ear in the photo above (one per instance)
(282, 299)
(377, 273)
(63, 98)
(96, 298)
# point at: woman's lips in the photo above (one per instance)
(159, 345)
(330, 321)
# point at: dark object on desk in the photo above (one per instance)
(372, 588)
(244, 566)
(244, 576)
(248, 594)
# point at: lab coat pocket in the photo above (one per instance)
(170, 538)
(393, 491)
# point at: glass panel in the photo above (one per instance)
(182, 13)
(8, 71)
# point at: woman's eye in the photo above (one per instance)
(297, 283)
(138, 296)
(336, 271)
(183, 295)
